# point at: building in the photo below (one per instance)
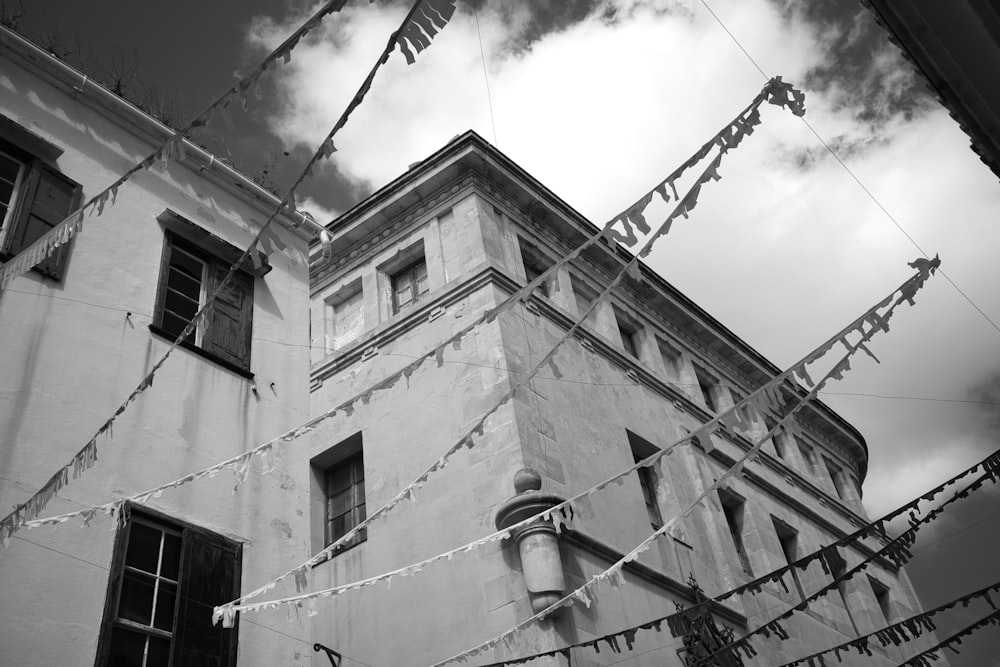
(82, 330)
(955, 46)
(415, 262)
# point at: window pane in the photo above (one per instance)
(165, 597)
(420, 278)
(180, 305)
(143, 547)
(341, 502)
(180, 281)
(186, 263)
(136, 601)
(158, 652)
(6, 190)
(126, 648)
(9, 168)
(173, 325)
(171, 556)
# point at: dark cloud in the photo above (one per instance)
(862, 70)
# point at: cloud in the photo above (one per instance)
(603, 99)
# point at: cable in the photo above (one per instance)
(482, 53)
(853, 175)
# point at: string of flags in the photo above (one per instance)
(468, 440)
(174, 147)
(87, 456)
(761, 398)
(897, 551)
(928, 657)
(892, 635)
(902, 631)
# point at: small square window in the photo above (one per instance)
(409, 285)
(837, 476)
(188, 276)
(788, 538)
(882, 597)
(642, 449)
(584, 297)
(808, 454)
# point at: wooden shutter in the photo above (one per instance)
(210, 576)
(229, 321)
(49, 198)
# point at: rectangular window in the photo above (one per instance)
(778, 439)
(347, 319)
(535, 264)
(808, 454)
(707, 383)
(788, 537)
(584, 297)
(34, 198)
(166, 580)
(733, 509)
(671, 359)
(188, 276)
(837, 476)
(345, 499)
(629, 332)
(643, 449)
(409, 285)
(882, 597)
(837, 569)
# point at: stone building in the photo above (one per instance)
(81, 331)
(411, 265)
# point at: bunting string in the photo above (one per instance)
(675, 620)
(520, 295)
(928, 657)
(365, 395)
(924, 269)
(173, 147)
(902, 631)
(558, 513)
(87, 456)
(897, 551)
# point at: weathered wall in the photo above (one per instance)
(73, 350)
(574, 431)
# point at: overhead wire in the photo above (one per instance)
(851, 173)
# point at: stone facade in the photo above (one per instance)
(75, 347)
(648, 367)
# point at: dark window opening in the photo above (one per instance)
(536, 264)
(706, 383)
(34, 198)
(882, 597)
(808, 455)
(788, 537)
(837, 569)
(643, 449)
(671, 359)
(837, 476)
(166, 580)
(188, 277)
(345, 499)
(629, 334)
(733, 509)
(409, 285)
(778, 438)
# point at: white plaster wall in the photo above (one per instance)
(70, 355)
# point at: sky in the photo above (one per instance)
(599, 100)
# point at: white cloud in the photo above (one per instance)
(782, 253)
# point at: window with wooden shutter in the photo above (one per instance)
(409, 285)
(188, 277)
(345, 499)
(34, 198)
(166, 579)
